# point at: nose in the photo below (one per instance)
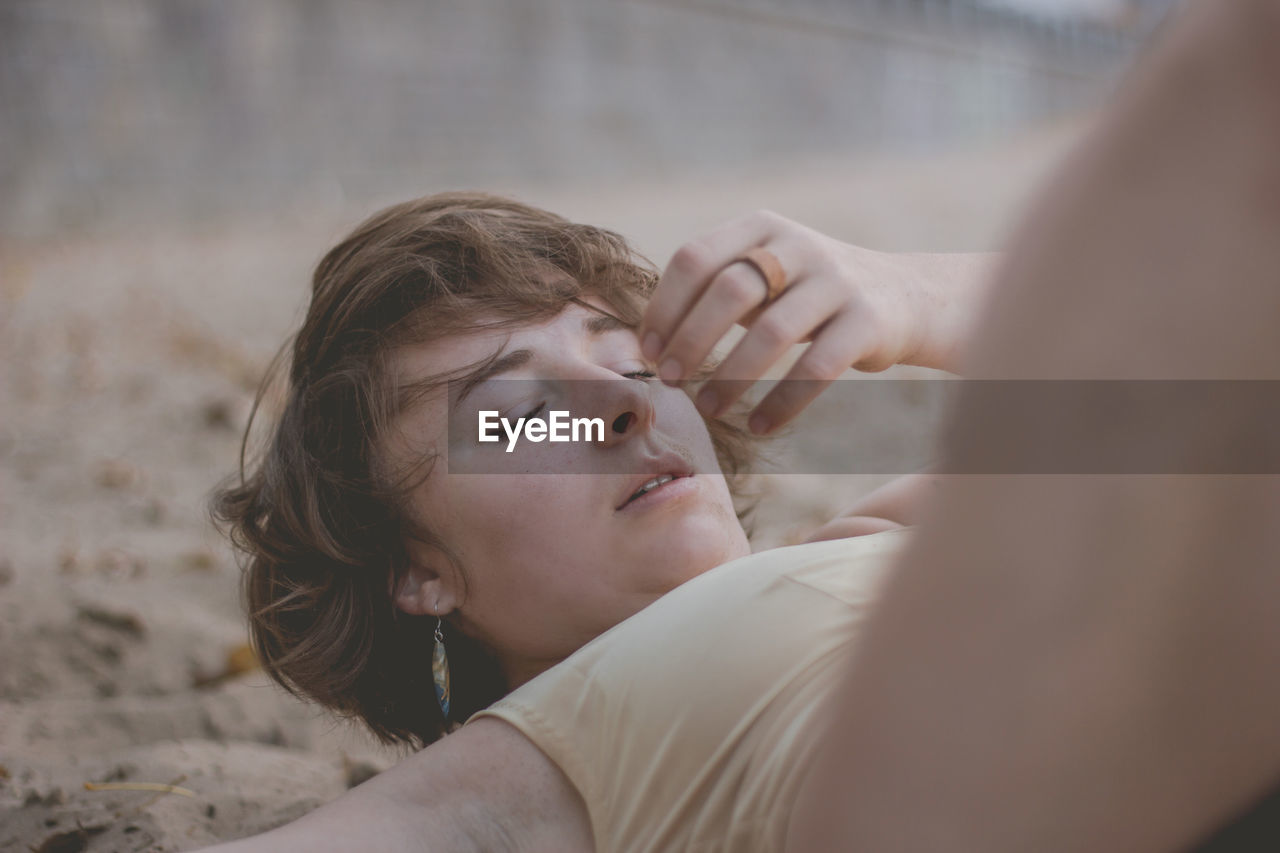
(625, 405)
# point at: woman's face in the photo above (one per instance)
(554, 546)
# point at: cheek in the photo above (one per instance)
(492, 517)
(533, 557)
(679, 418)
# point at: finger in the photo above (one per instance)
(732, 294)
(692, 268)
(841, 343)
(798, 313)
(737, 292)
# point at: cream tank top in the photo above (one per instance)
(689, 726)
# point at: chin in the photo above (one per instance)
(697, 543)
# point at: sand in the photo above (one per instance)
(129, 364)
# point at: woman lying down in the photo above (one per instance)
(592, 662)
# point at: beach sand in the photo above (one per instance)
(129, 367)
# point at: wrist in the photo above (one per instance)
(949, 290)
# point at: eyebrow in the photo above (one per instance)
(595, 325)
(495, 366)
(602, 322)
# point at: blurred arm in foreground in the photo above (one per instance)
(1090, 662)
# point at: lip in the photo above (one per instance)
(670, 490)
(671, 464)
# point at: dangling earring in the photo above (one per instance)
(440, 670)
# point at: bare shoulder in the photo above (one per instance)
(485, 787)
(898, 503)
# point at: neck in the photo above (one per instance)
(516, 673)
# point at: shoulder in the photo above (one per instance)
(498, 786)
(898, 503)
(852, 526)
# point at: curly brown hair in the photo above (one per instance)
(319, 524)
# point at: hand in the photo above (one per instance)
(858, 307)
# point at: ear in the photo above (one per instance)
(428, 586)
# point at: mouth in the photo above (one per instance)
(654, 482)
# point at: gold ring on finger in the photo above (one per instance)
(775, 277)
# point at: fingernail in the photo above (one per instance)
(651, 346)
(670, 371)
(759, 424)
(707, 401)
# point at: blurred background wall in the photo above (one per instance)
(147, 110)
(170, 170)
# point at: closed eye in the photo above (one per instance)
(631, 374)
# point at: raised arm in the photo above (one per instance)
(1088, 663)
(483, 788)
